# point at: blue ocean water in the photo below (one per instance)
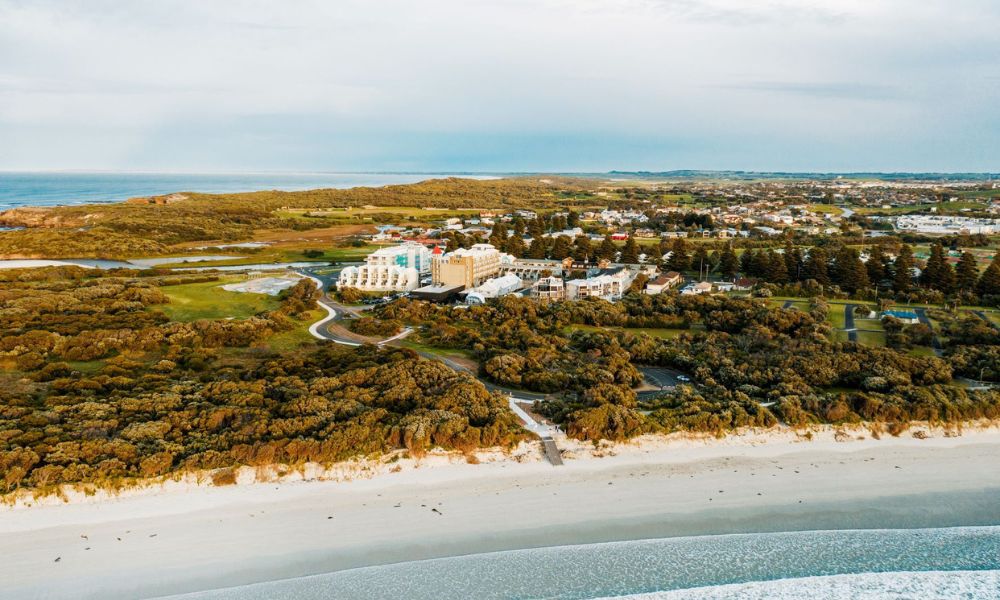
(960, 562)
(51, 188)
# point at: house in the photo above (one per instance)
(694, 289)
(744, 284)
(907, 316)
(663, 282)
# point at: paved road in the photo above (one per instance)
(852, 331)
(935, 342)
(328, 328)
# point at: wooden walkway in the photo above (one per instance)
(551, 451)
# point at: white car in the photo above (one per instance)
(683, 378)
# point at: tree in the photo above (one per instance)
(902, 269)
(607, 249)
(561, 248)
(937, 273)
(728, 263)
(700, 260)
(967, 273)
(793, 261)
(876, 265)
(851, 274)
(679, 260)
(776, 272)
(815, 267)
(537, 248)
(582, 250)
(630, 254)
(748, 262)
(514, 246)
(573, 219)
(989, 281)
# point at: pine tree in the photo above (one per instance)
(938, 274)
(679, 260)
(700, 260)
(777, 272)
(815, 267)
(902, 269)
(573, 219)
(875, 265)
(967, 273)
(536, 228)
(630, 254)
(537, 248)
(582, 250)
(793, 261)
(748, 262)
(728, 263)
(607, 249)
(989, 281)
(851, 274)
(561, 248)
(514, 246)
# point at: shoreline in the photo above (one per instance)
(440, 465)
(189, 539)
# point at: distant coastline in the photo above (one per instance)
(60, 188)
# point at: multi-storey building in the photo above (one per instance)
(392, 269)
(469, 267)
(549, 288)
(611, 286)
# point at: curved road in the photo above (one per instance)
(329, 328)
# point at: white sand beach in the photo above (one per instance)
(186, 538)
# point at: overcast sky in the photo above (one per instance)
(500, 85)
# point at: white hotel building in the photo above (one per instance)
(393, 269)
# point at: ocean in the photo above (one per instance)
(957, 562)
(53, 188)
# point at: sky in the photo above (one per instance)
(500, 85)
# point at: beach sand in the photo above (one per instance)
(187, 538)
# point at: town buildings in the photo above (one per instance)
(468, 267)
(494, 288)
(608, 286)
(549, 288)
(392, 269)
(663, 282)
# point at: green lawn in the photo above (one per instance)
(283, 255)
(826, 209)
(922, 351)
(193, 301)
(870, 338)
(292, 339)
(835, 316)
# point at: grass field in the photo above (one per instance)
(828, 209)
(835, 316)
(292, 339)
(871, 338)
(193, 301)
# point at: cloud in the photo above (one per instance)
(493, 84)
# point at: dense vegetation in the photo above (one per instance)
(98, 386)
(750, 364)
